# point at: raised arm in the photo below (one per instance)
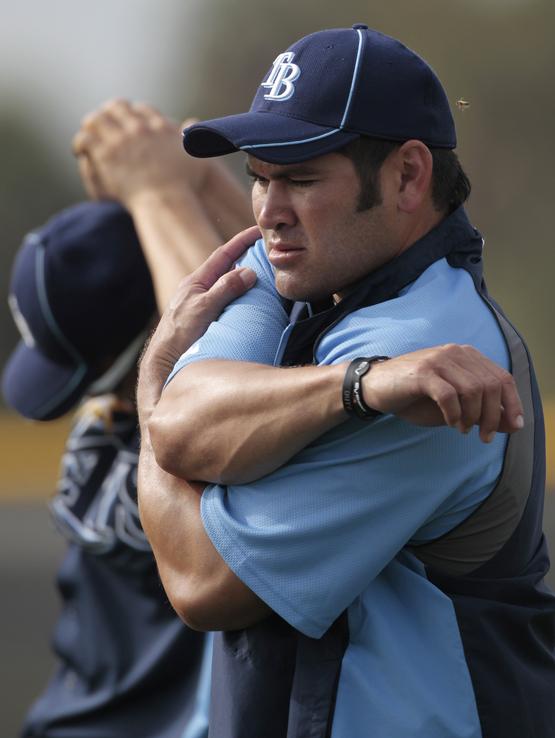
(182, 207)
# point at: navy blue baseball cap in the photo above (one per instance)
(81, 294)
(328, 89)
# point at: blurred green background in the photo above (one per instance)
(61, 59)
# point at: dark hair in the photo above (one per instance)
(450, 185)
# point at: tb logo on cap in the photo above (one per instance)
(281, 78)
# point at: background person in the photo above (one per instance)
(83, 298)
(126, 664)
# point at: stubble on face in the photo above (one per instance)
(318, 241)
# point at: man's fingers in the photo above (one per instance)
(513, 412)
(224, 257)
(229, 287)
(442, 392)
(501, 408)
(236, 246)
(482, 386)
(479, 392)
(491, 409)
(453, 384)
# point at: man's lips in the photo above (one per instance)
(283, 246)
(283, 254)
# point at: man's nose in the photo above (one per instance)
(276, 209)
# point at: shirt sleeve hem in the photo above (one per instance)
(233, 553)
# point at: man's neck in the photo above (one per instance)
(418, 226)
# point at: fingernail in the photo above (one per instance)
(489, 437)
(519, 422)
(248, 276)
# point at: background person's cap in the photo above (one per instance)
(328, 89)
(80, 294)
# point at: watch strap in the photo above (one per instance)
(353, 401)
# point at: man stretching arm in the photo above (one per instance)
(401, 549)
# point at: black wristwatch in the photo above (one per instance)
(353, 401)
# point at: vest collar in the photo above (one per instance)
(454, 238)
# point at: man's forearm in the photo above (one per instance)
(202, 589)
(233, 422)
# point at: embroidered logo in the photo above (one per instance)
(281, 78)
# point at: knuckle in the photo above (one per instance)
(88, 120)
(157, 123)
(491, 384)
(146, 109)
(508, 380)
(446, 394)
(472, 388)
(449, 348)
(228, 282)
(114, 103)
(183, 287)
(135, 126)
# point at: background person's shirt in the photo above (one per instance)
(125, 663)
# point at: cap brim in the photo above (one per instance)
(267, 136)
(39, 388)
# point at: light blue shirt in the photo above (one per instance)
(326, 532)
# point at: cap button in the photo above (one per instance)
(362, 26)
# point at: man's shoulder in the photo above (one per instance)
(441, 306)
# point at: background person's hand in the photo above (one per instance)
(451, 384)
(127, 150)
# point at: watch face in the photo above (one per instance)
(362, 368)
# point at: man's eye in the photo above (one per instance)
(302, 182)
(256, 179)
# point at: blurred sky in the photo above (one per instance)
(62, 58)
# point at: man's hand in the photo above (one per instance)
(451, 384)
(199, 300)
(126, 151)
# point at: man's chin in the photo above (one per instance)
(298, 291)
(291, 289)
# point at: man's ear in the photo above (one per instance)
(414, 162)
